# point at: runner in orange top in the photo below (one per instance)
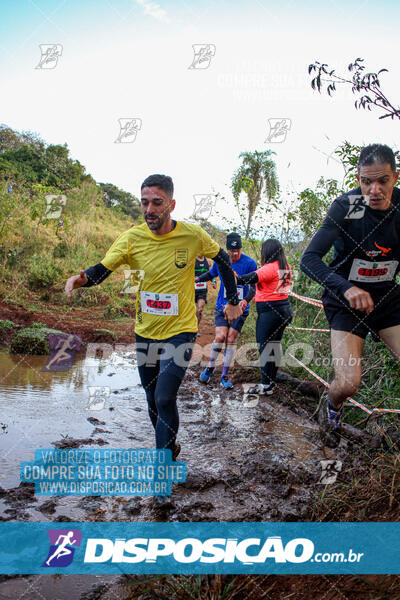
(273, 309)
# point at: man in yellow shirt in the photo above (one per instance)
(163, 252)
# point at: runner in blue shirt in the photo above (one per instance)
(227, 333)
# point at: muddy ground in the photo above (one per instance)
(246, 460)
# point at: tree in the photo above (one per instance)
(348, 155)
(12, 140)
(24, 157)
(366, 84)
(314, 205)
(124, 201)
(256, 176)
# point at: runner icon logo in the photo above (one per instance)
(203, 54)
(54, 206)
(133, 279)
(128, 129)
(63, 543)
(62, 351)
(357, 206)
(330, 471)
(278, 129)
(97, 397)
(50, 53)
(204, 204)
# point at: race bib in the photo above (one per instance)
(371, 272)
(159, 304)
(239, 291)
(200, 285)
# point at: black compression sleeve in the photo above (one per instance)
(312, 264)
(205, 276)
(96, 275)
(248, 278)
(227, 275)
(251, 294)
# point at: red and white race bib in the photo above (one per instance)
(200, 285)
(239, 291)
(159, 304)
(371, 272)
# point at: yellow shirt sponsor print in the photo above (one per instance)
(166, 262)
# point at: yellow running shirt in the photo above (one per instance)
(164, 266)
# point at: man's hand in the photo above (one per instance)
(233, 312)
(196, 279)
(243, 304)
(214, 284)
(359, 299)
(74, 282)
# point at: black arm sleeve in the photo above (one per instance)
(96, 275)
(251, 293)
(248, 278)
(227, 274)
(206, 277)
(312, 264)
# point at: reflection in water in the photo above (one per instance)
(40, 407)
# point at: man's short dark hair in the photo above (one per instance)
(376, 153)
(164, 182)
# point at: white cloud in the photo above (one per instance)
(153, 10)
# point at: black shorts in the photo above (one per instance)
(200, 294)
(220, 320)
(341, 317)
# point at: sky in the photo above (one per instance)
(119, 61)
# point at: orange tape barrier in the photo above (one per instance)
(354, 402)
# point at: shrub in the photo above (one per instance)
(43, 273)
(61, 250)
(32, 340)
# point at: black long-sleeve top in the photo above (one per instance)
(366, 247)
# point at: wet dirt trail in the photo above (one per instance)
(246, 460)
(254, 460)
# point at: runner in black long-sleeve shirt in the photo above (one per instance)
(361, 294)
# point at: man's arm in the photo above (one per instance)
(207, 248)
(92, 276)
(227, 275)
(251, 278)
(117, 255)
(96, 274)
(313, 266)
(251, 293)
(209, 275)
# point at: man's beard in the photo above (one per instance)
(157, 223)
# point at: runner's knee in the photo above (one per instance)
(165, 401)
(219, 338)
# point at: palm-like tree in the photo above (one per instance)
(255, 176)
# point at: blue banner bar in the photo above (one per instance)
(185, 548)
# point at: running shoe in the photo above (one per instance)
(262, 389)
(162, 502)
(206, 374)
(226, 384)
(176, 450)
(330, 420)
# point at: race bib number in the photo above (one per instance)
(159, 304)
(200, 285)
(371, 272)
(239, 291)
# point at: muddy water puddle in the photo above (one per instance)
(246, 461)
(241, 456)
